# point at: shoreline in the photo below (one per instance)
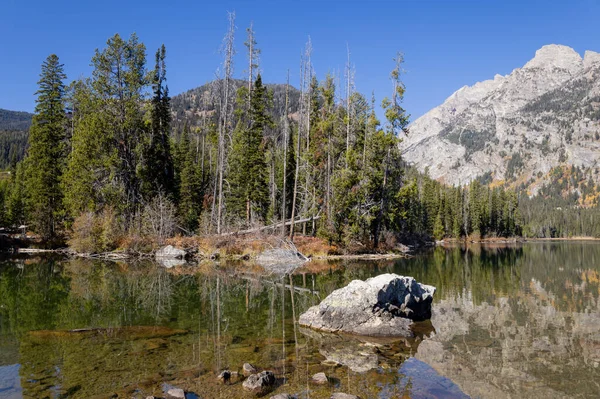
(248, 249)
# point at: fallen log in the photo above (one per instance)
(272, 226)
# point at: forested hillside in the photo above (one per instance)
(196, 106)
(13, 136)
(14, 120)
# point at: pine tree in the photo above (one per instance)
(248, 168)
(45, 160)
(190, 186)
(107, 143)
(397, 122)
(15, 204)
(157, 168)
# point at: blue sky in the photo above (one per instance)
(447, 44)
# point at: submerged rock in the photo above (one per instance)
(320, 378)
(175, 393)
(170, 252)
(260, 383)
(341, 395)
(385, 305)
(283, 396)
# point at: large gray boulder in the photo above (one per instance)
(386, 305)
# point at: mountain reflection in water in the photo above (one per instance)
(514, 322)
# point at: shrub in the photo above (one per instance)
(93, 233)
(158, 219)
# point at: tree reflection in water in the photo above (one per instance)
(520, 321)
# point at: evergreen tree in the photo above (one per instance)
(107, 144)
(45, 158)
(15, 204)
(157, 168)
(248, 168)
(190, 187)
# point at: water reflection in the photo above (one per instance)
(506, 322)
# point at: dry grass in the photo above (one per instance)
(313, 246)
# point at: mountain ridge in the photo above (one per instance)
(494, 124)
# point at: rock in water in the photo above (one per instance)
(248, 369)
(385, 305)
(320, 378)
(260, 383)
(175, 393)
(170, 252)
(225, 376)
(341, 395)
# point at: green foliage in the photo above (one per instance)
(12, 147)
(107, 144)
(249, 198)
(190, 185)
(45, 160)
(156, 166)
(15, 202)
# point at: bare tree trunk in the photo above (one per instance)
(295, 186)
(229, 53)
(253, 55)
(328, 193)
(273, 185)
(383, 202)
(250, 45)
(303, 100)
(349, 86)
(285, 144)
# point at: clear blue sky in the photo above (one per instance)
(447, 44)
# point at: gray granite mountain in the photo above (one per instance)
(515, 127)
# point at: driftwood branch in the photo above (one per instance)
(272, 226)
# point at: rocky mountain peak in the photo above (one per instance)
(556, 56)
(515, 128)
(591, 58)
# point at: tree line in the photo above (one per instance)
(105, 163)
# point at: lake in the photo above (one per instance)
(519, 321)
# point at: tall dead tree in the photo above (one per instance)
(349, 90)
(228, 51)
(303, 125)
(286, 132)
(253, 58)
